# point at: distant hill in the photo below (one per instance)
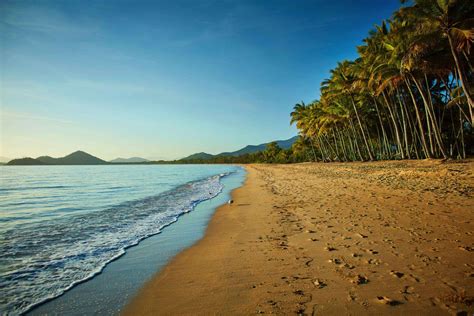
(47, 160)
(249, 149)
(4, 159)
(129, 160)
(76, 158)
(201, 155)
(25, 162)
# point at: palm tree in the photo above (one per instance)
(407, 94)
(455, 20)
(339, 84)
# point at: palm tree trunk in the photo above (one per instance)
(331, 148)
(404, 124)
(335, 143)
(343, 145)
(432, 118)
(395, 125)
(463, 147)
(384, 134)
(418, 118)
(362, 129)
(324, 154)
(461, 77)
(312, 149)
(351, 148)
(355, 140)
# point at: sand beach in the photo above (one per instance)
(332, 239)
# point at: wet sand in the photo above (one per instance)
(330, 239)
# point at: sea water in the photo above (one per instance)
(61, 225)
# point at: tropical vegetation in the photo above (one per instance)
(409, 94)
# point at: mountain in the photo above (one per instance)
(4, 159)
(47, 160)
(129, 160)
(249, 149)
(76, 158)
(24, 162)
(201, 155)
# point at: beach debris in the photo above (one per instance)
(329, 248)
(230, 202)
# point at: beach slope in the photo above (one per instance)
(349, 238)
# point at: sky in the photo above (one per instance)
(165, 79)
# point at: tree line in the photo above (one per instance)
(408, 95)
(272, 154)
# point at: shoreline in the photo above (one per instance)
(141, 300)
(108, 291)
(341, 238)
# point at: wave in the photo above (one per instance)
(42, 260)
(35, 188)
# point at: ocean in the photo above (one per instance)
(60, 226)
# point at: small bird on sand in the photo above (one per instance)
(230, 202)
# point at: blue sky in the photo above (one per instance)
(164, 79)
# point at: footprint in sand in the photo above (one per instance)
(373, 261)
(415, 278)
(359, 279)
(351, 296)
(319, 284)
(371, 251)
(407, 290)
(466, 248)
(397, 274)
(387, 301)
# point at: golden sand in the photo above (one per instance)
(330, 239)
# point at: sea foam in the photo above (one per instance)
(42, 260)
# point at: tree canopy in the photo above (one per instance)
(407, 96)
